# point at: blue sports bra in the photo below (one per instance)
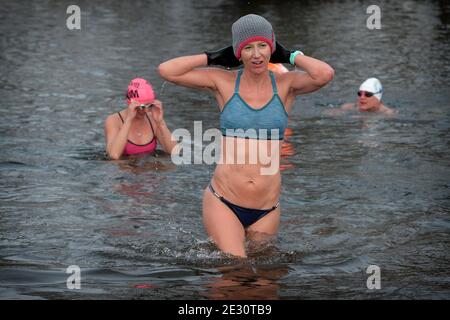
(238, 119)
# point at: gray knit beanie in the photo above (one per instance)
(251, 28)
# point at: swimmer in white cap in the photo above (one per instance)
(369, 99)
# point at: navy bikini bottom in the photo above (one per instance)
(245, 215)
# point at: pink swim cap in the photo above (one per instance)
(140, 90)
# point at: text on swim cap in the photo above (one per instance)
(135, 84)
(132, 94)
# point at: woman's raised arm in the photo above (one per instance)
(185, 71)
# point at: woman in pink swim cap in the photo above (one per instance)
(137, 128)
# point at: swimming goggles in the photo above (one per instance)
(146, 106)
(367, 94)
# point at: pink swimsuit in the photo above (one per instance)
(133, 148)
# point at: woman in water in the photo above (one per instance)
(242, 199)
(369, 100)
(137, 128)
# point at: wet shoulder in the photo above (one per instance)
(389, 111)
(114, 119)
(348, 106)
(225, 86)
(283, 81)
(221, 75)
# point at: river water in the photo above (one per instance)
(358, 190)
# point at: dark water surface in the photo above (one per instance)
(357, 191)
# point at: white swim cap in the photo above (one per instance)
(372, 85)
